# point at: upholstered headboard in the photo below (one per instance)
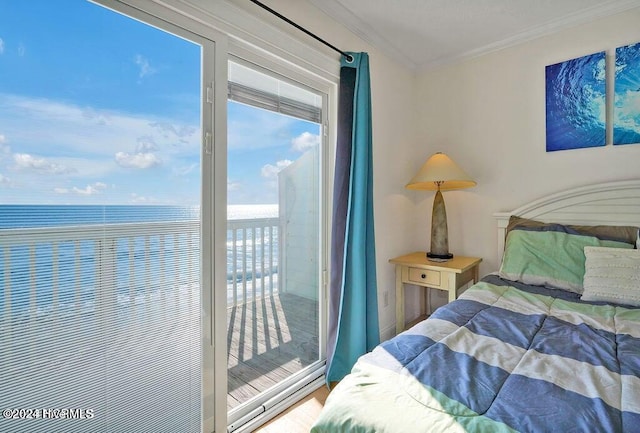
(612, 203)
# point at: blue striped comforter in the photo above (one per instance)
(502, 358)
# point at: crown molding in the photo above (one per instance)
(573, 20)
(336, 10)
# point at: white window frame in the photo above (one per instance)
(248, 416)
(263, 57)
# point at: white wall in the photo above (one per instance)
(488, 114)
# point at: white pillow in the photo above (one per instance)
(612, 275)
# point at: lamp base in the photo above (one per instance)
(439, 237)
(439, 257)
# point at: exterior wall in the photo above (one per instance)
(488, 114)
(298, 190)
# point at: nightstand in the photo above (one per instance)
(415, 269)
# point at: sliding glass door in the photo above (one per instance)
(102, 282)
(274, 236)
(118, 267)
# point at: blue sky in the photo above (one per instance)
(97, 108)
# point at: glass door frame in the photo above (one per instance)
(272, 399)
(213, 190)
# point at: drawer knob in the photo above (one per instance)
(423, 276)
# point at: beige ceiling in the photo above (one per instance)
(427, 33)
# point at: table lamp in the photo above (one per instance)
(440, 173)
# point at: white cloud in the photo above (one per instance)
(271, 171)
(140, 160)
(96, 188)
(135, 198)
(25, 161)
(233, 185)
(4, 180)
(1, 46)
(95, 117)
(168, 129)
(185, 170)
(85, 143)
(305, 141)
(145, 66)
(146, 144)
(90, 132)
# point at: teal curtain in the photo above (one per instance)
(353, 302)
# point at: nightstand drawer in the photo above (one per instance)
(422, 276)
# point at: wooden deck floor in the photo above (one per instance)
(268, 340)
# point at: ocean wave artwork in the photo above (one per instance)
(626, 112)
(576, 103)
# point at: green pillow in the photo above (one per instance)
(553, 256)
(628, 234)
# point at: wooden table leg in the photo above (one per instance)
(399, 300)
(453, 288)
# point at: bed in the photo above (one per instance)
(550, 342)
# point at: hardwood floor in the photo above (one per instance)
(268, 340)
(300, 417)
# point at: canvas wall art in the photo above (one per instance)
(626, 110)
(575, 103)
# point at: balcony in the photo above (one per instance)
(119, 280)
(271, 333)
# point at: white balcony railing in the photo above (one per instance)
(81, 268)
(252, 259)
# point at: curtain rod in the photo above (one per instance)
(282, 17)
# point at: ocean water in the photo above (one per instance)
(145, 266)
(249, 211)
(30, 216)
(22, 216)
